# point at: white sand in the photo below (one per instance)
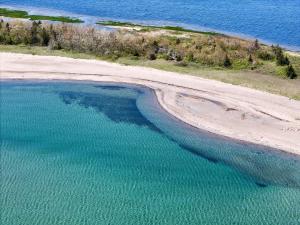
(221, 108)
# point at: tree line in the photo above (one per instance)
(211, 50)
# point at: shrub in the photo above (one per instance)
(240, 64)
(250, 60)
(181, 64)
(189, 57)
(203, 49)
(290, 72)
(281, 60)
(151, 56)
(227, 62)
(264, 55)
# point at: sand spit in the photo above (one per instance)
(225, 109)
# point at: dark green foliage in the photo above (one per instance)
(189, 57)
(13, 13)
(227, 63)
(7, 27)
(264, 55)
(152, 56)
(213, 51)
(256, 45)
(250, 60)
(281, 60)
(5, 33)
(290, 72)
(45, 37)
(34, 33)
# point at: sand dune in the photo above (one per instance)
(229, 110)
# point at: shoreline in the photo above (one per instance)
(93, 20)
(231, 111)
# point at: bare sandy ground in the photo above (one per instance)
(229, 110)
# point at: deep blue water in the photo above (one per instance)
(274, 21)
(103, 153)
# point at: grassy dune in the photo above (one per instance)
(247, 78)
(209, 55)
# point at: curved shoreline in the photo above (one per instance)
(227, 110)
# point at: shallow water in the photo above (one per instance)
(101, 153)
(275, 21)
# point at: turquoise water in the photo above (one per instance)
(100, 153)
(275, 21)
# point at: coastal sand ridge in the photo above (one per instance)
(232, 111)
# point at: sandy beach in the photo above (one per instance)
(225, 109)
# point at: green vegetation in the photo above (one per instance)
(149, 27)
(24, 15)
(224, 58)
(118, 23)
(227, 62)
(251, 79)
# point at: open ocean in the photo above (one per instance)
(272, 21)
(103, 153)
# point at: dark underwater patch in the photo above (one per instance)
(261, 184)
(198, 153)
(117, 109)
(110, 87)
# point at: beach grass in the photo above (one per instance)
(260, 80)
(24, 15)
(149, 27)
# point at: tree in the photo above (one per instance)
(34, 32)
(7, 28)
(281, 60)
(152, 56)
(45, 37)
(250, 60)
(256, 44)
(290, 72)
(227, 62)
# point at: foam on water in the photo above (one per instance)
(86, 153)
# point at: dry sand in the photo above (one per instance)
(229, 110)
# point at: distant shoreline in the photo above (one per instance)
(93, 20)
(231, 111)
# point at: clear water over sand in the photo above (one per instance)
(275, 21)
(96, 153)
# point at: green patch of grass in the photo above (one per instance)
(13, 13)
(240, 64)
(117, 23)
(56, 18)
(24, 15)
(281, 71)
(150, 27)
(177, 28)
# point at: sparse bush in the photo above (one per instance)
(151, 56)
(281, 60)
(189, 57)
(264, 55)
(250, 60)
(181, 64)
(290, 72)
(227, 62)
